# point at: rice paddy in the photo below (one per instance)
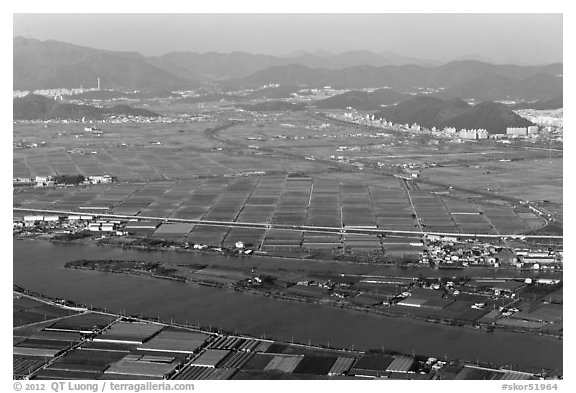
(289, 200)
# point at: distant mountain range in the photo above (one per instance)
(492, 86)
(240, 64)
(363, 100)
(433, 112)
(377, 99)
(35, 107)
(467, 79)
(52, 64)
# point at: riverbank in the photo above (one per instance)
(279, 289)
(40, 266)
(502, 270)
(294, 348)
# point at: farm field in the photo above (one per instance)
(539, 179)
(27, 311)
(190, 166)
(285, 200)
(305, 134)
(200, 211)
(149, 163)
(124, 348)
(73, 135)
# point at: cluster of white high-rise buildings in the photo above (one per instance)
(474, 133)
(465, 134)
(522, 131)
(55, 93)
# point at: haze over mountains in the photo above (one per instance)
(53, 64)
(465, 79)
(237, 77)
(240, 64)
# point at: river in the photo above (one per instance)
(39, 266)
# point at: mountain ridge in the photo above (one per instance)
(54, 64)
(431, 112)
(36, 107)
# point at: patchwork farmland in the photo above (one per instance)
(136, 164)
(91, 345)
(288, 200)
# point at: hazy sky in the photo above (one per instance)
(518, 38)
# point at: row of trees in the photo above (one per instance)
(69, 179)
